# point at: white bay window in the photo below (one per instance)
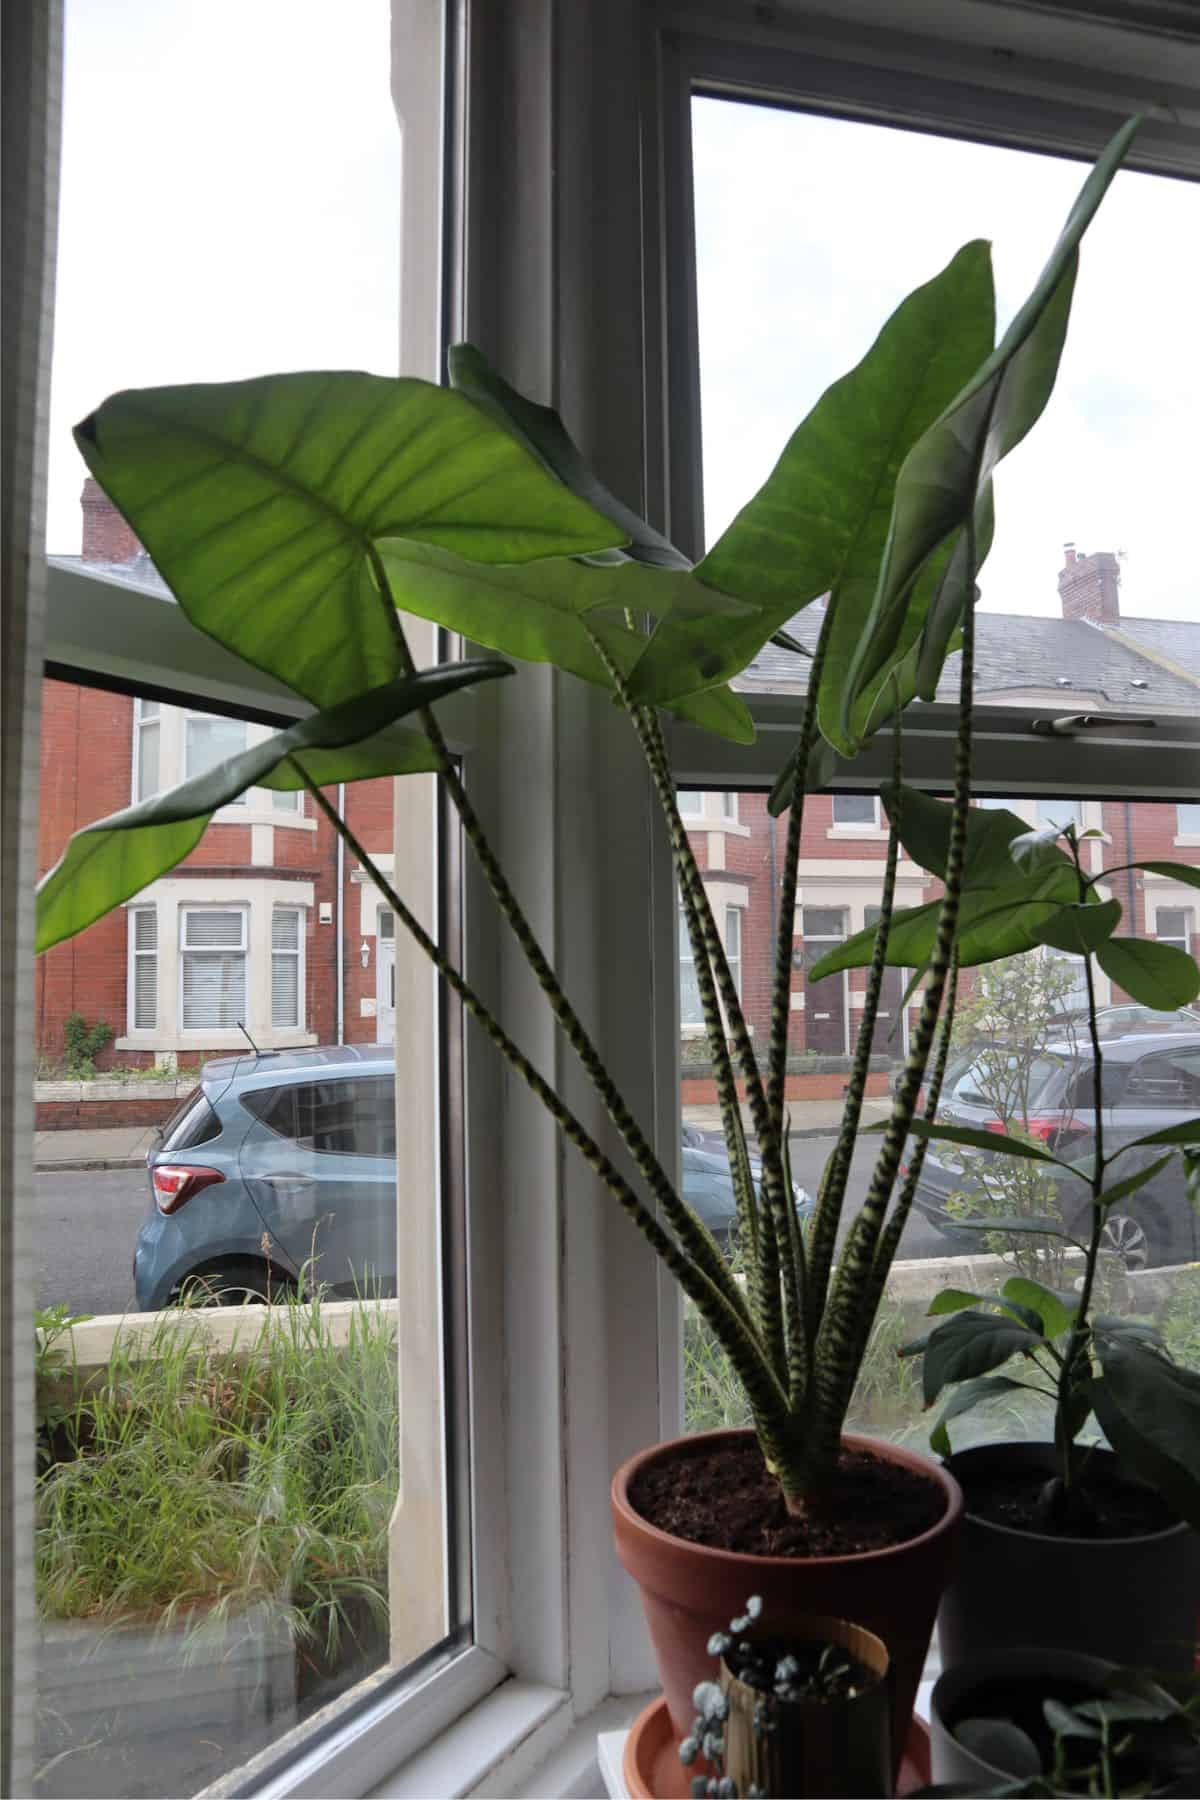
(212, 969)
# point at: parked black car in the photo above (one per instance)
(1150, 1080)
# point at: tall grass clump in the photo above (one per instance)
(190, 1482)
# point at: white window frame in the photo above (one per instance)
(1182, 941)
(558, 318)
(142, 723)
(190, 911)
(300, 915)
(860, 828)
(732, 938)
(135, 955)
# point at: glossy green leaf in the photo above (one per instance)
(952, 1300)
(1185, 872)
(1157, 974)
(1030, 846)
(1079, 928)
(1023, 1224)
(988, 861)
(819, 522)
(823, 763)
(970, 1394)
(991, 925)
(940, 482)
(541, 431)
(550, 612)
(1186, 1132)
(1132, 1183)
(971, 1344)
(117, 857)
(1149, 1409)
(1063, 1722)
(1055, 1314)
(258, 501)
(941, 621)
(996, 1141)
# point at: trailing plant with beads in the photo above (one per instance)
(297, 518)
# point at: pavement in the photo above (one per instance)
(125, 1146)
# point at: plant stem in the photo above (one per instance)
(726, 1318)
(1076, 1350)
(694, 1237)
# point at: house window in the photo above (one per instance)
(691, 803)
(143, 968)
(208, 740)
(855, 809)
(147, 740)
(690, 1010)
(1188, 818)
(1173, 925)
(729, 804)
(287, 968)
(733, 945)
(1060, 813)
(213, 957)
(290, 800)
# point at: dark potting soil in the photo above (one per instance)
(1110, 1506)
(724, 1498)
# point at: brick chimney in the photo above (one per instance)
(106, 536)
(1087, 586)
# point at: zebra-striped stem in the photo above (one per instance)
(692, 1233)
(839, 1332)
(781, 981)
(731, 1329)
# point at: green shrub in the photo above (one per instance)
(82, 1043)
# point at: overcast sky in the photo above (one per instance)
(229, 205)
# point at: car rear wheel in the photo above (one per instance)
(234, 1283)
(1126, 1238)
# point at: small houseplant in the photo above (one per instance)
(1117, 1567)
(296, 519)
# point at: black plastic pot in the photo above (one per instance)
(1005, 1685)
(1134, 1600)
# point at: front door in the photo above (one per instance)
(385, 978)
(825, 1007)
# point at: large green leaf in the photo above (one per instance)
(1186, 872)
(1149, 1409)
(970, 1394)
(117, 857)
(1186, 1132)
(258, 500)
(550, 612)
(1077, 928)
(991, 925)
(1158, 975)
(944, 473)
(542, 432)
(1122, 1189)
(998, 1142)
(819, 522)
(924, 825)
(1055, 1313)
(969, 1344)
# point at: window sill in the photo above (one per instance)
(216, 1041)
(874, 834)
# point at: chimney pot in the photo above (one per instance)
(1088, 586)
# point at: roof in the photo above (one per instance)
(1016, 652)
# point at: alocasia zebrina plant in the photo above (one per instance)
(297, 518)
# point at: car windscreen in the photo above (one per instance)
(192, 1122)
(994, 1077)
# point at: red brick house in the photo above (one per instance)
(250, 925)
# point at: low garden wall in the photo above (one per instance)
(701, 1089)
(96, 1104)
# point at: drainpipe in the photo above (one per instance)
(341, 946)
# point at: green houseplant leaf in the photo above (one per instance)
(1158, 975)
(1079, 928)
(258, 501)
(820, 520)
(998, 1142)
(117, 857)
(1149, 1409)
(543, 434)
(940, 482)
(970, 1394)
(971, 1343)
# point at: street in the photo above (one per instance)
(87, 1221)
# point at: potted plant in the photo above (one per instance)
(1105, 1538)
(298, 517)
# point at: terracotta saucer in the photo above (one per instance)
(653, 1771)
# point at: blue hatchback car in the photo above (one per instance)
(287, 1159)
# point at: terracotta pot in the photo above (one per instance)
(1135, 1600)
(689, 1591)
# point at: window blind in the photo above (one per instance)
(285, 967)
(214, 970)
(145, 968)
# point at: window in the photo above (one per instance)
(1188, 818)
(1170, 1081)
(287, 967)
(1173, 925)
(1060, 813)
(143, 968)
(355, 1116)
(287, 800)
(691, 1013)
(208, 740)
(212, 969)
(691, 802)
(733, 945)
(855, 809)
(147, 732)
(729, 803)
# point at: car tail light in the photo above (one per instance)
(1044, 1128)
(175, 1183)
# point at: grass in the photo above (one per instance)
(193, 1483)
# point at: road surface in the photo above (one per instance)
(87, 1221)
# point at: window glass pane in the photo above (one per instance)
(1086, 605)
(1020, 1059)
(690, 1010)
(146, 721)
(1060, 812)
(285, 968)
(854, 809)
(209, 741)
(1189, 818)
(287, 800)
(690, 801)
